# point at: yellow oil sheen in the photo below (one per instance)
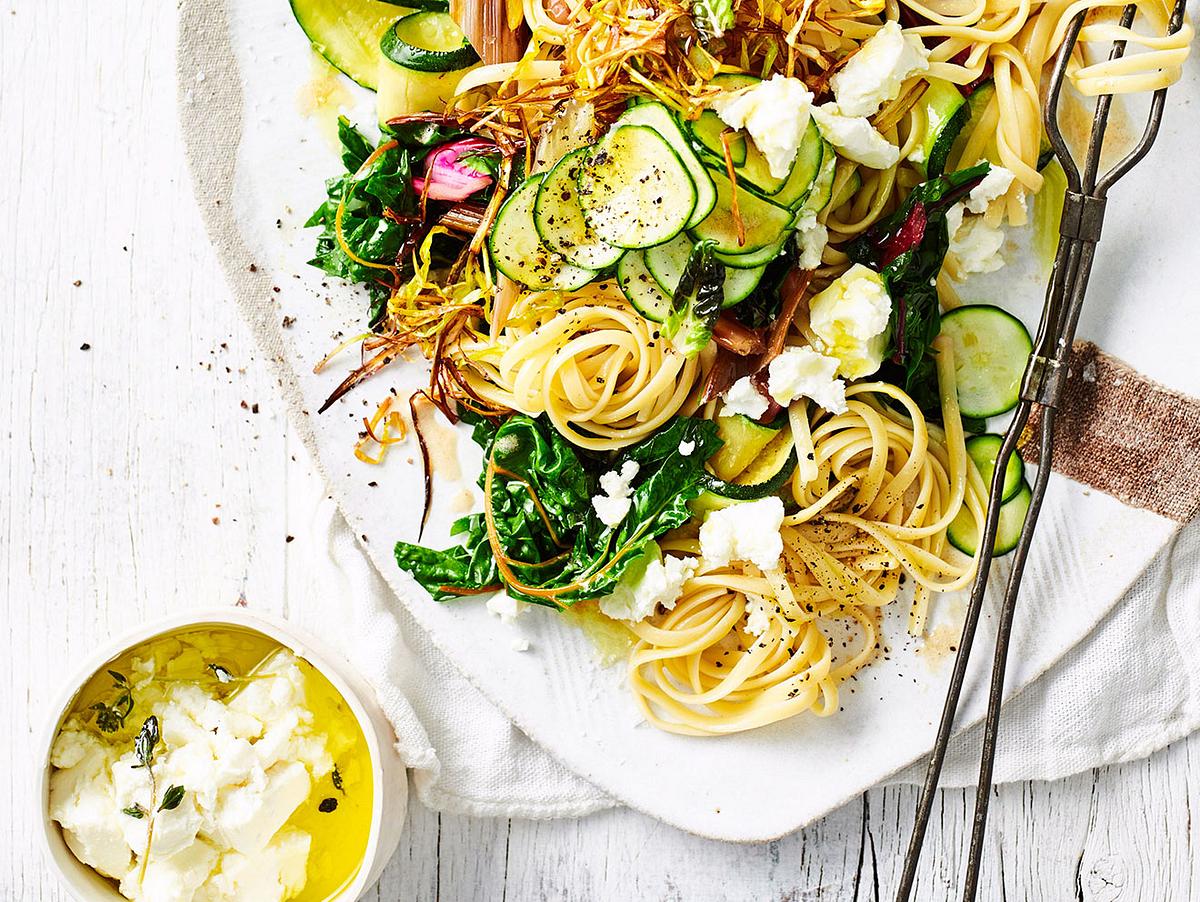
(339, 838)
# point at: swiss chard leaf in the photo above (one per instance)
(908, 249)
(697, 301)
(548, 530)
(368, 229)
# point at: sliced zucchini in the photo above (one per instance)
(640, 287)
(559, 219)
(634, 189)
(667, 261)
(755, 259)
(805, 169)
(946, 112)
(519, 253)
(403, 92)
(744, 439)
(733, 81)
(821, 193)
(964, 535)
(983, 450)
(428, 42)
(347, 33)
(765, 475)
(706, 132)
(991, 351)
(656, 116)
(977, 104)
(764, 223)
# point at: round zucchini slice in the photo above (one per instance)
(991, 351)
(519, 253)
(634, 189)
(559, 218)
(964, 535)
(984, 449)
(428, 41)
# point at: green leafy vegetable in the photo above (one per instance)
(555, 547)
(712, 17)
(908, 249)
(374, 199)
(697, 301)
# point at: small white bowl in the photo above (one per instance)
(387, 769)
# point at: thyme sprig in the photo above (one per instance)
(143, 747)
(111, 717)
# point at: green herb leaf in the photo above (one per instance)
(119, 679)
(328, 805)
(171, 798)
(135, 811)
(546, 525)
(337, 780)
(221, 673)
(147, 739)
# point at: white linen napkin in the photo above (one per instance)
(1124, 692)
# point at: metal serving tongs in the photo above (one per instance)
(1045, 376)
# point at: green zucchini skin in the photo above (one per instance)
(347, 34)
(403, 53)
(963, 536)
(992, 349)
(736, 492)
(983, 449)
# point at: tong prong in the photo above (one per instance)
(1043, 385)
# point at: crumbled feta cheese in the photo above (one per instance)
(246, 763)
(758, 615)
(811, 238)
(875, 74)
(616, 488)
(803, 373)
(850, 319)
(775, 113)
(742, 397)
(744, 532)
(507, 608)
(686, 448)
(855, 138)
(974, 245)
(995, 184)
(519, 645)
(643, 590)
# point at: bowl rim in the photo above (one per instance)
(299, 641)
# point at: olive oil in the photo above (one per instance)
(222, 660)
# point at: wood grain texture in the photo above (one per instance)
(137, 484)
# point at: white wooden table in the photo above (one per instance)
(148, 469)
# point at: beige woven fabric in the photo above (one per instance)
(1124, 434)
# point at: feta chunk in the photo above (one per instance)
(248, 816)
(995, 184)
(82, 801)
(276, 872)
(742, 397)
(758, 615)
(616, 490)
(507, 608)
(744, 532)
(855, 138)
(811, 238)
(875, 74)
(686, 448)
(974, 245)
(659, 583)
(803, 373)
(775, 113)
(850, 319)
(175, 878)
